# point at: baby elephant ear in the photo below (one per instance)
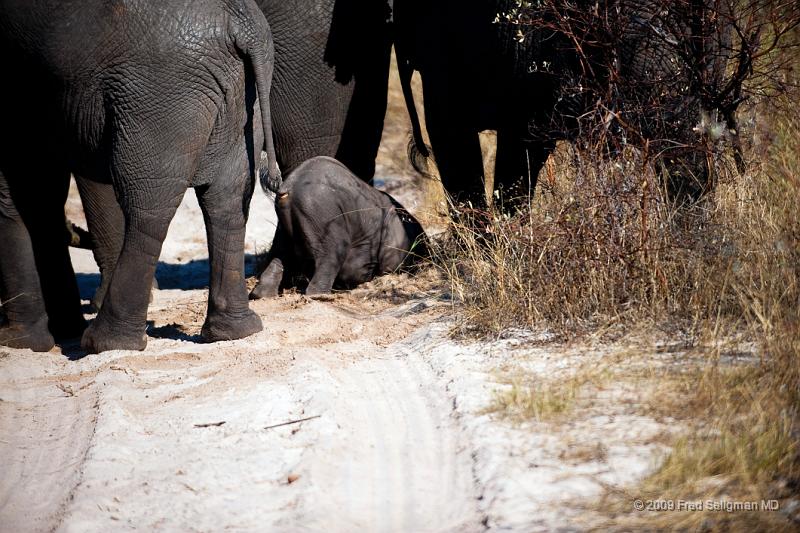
(270, 179)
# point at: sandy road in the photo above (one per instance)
(44, 438)
(111, 441)
(398, 464)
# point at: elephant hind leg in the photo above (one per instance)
(107, 230)
(38, 268)
(457, 151)
(150, 188)
(57, 277)
(269, 282)
(21, 299)
(51, 251)
(278, 268)
(121, 321)
(224, 205)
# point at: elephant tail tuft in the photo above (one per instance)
(77, 237)
(419, 157)
(270, 181)
(418, 151)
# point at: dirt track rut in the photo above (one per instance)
(111, 441)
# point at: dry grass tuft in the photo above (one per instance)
(600, 244)
(544, 400)
(540, 402)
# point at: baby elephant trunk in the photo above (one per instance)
(405, 242)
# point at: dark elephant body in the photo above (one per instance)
(331, 80)
(151, 98)
(336, 230)
(481, 72)
(473, 79)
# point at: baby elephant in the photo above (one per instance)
(334, 228)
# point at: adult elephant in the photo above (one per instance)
(328, 98)
(155, 98)
(481, 72)
(331, 80)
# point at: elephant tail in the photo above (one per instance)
(254, 38)
(77, 237)
(418, 151)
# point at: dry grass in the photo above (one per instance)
(537, 401)
(599, 245)
(602, 249)
(746, 440)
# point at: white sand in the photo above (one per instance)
(110, 442)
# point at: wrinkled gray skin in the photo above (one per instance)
(331, 80)
(337, 230)
(328, 98)
(153, 97)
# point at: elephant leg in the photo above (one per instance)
(45, 222)
(328, 260)
(106, 226)
(517, 167)
(225, 207)
(457, 150)
(273, 276)
(361, 135)
(511, 174)
(270, 280)
(20, 293)
(121, 321)
(107, 229)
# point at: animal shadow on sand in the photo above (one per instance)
(170, 276)
(71, 349)
(181, 276)
(194, 274)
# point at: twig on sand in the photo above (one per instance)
(210, 424)
(66, 389)
(293, 422)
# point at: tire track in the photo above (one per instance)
(45, 433)
(398, 465)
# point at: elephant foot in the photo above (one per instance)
(268, 283)
(316, 290)
(34, 337)
(71, 328)
(222, 327)
(101, 337)
(261, 291)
